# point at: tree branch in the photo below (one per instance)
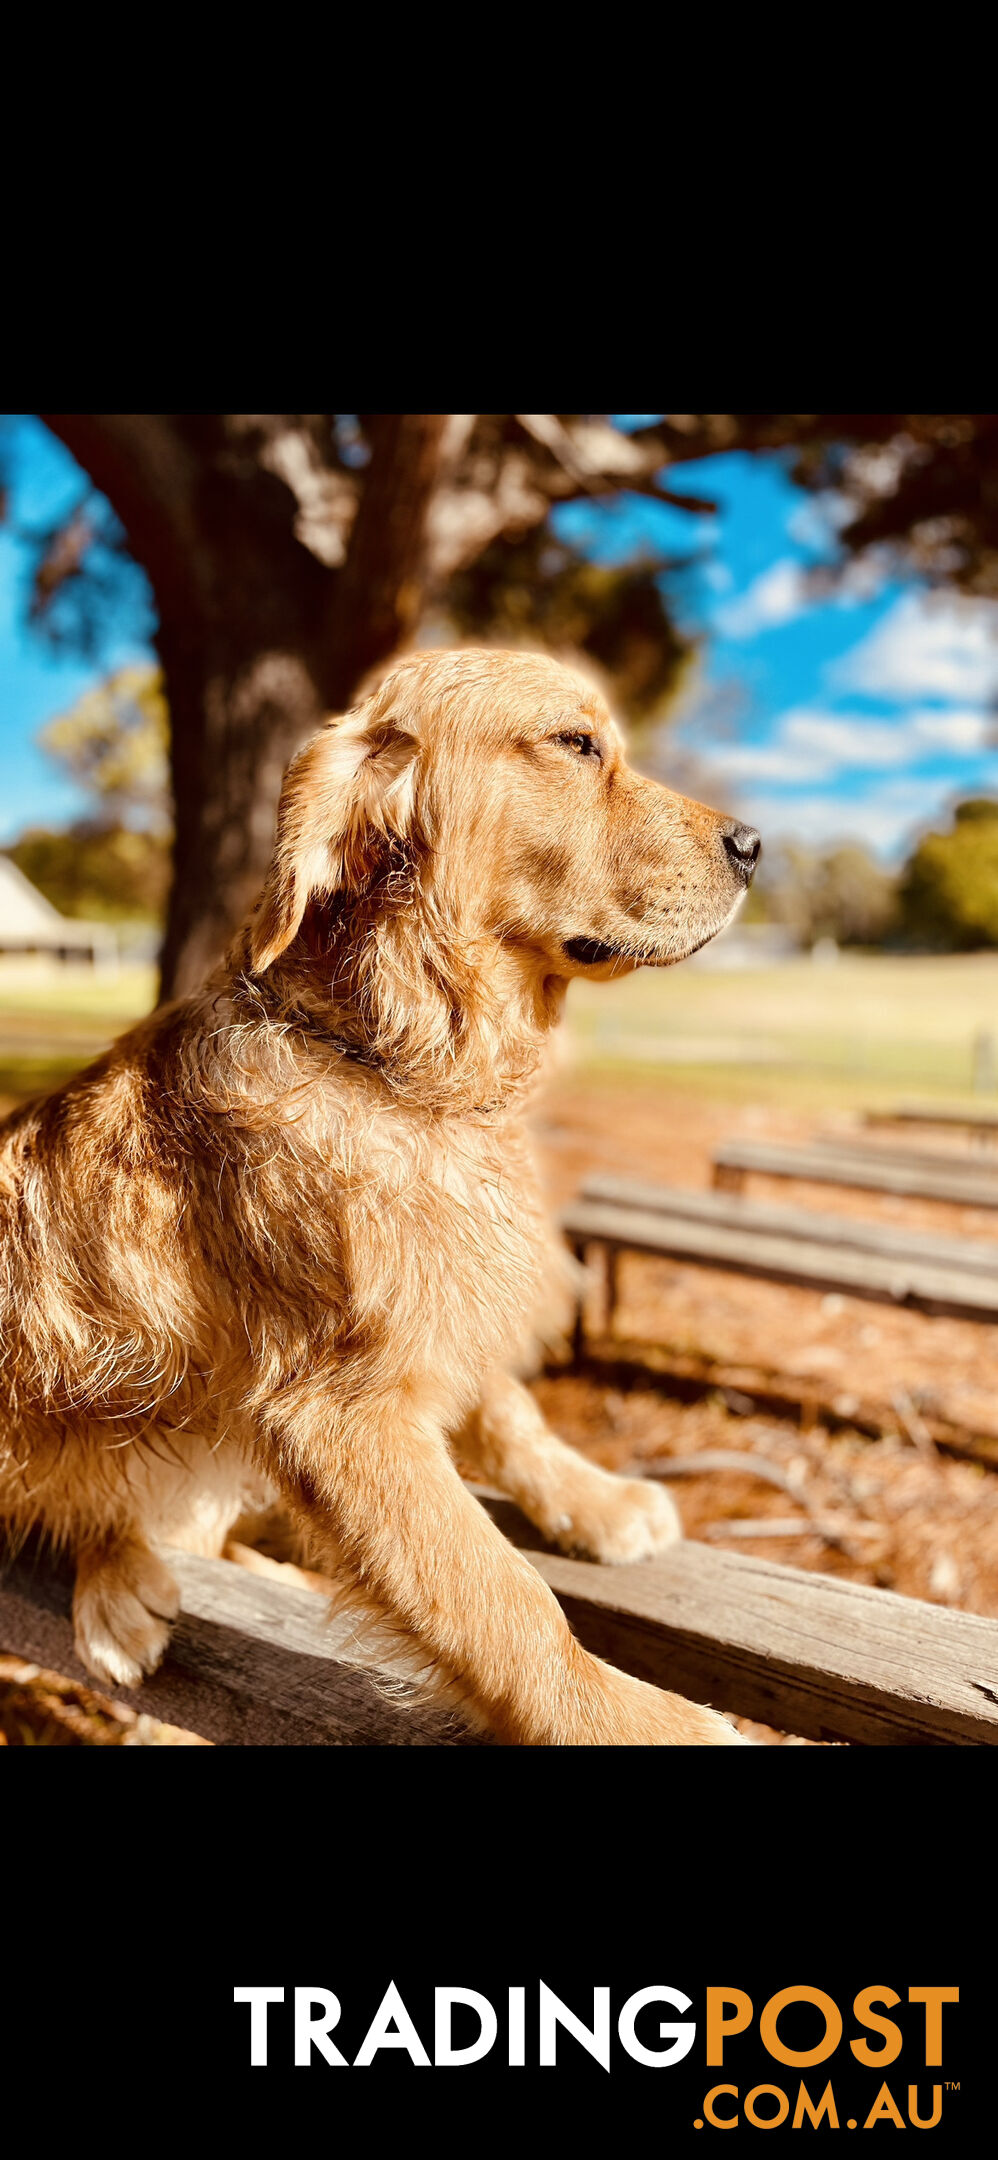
(377, 594)
(141, 462)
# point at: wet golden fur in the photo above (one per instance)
(286, 1235)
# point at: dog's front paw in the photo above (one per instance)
(616, 1519)
(122, 1609)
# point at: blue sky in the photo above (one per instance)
(862, 715)
(36, 683)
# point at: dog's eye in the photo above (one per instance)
(583, 745)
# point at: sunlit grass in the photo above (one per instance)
(866, 1030)
(120, 996)
(52, 1024)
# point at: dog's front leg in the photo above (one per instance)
(377, 1485)
(570, 1500)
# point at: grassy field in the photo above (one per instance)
(51, 1024)
(866, 1029)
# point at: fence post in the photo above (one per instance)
(985, 1066)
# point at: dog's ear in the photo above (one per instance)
(348, 792)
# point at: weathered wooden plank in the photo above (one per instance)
(980, 1121)
(810, 1654)
(278, 1643)
(950, 1162)
(979, 1255)
(898, 1280)
(240, 1640)
(817, 1166)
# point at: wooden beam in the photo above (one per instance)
(892, 1279)
(979, 1121)
(949, 1161)
(736, 1159)
(811, 1654)
(980, 1255)
(251, 1661)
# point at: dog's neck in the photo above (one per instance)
(450, 1024)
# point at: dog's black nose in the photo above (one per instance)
(742, 847)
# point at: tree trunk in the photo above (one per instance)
(240, 704)
(260, 634)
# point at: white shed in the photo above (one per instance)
(30, 924)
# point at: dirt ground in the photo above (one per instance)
(892, 1510)
(918, 1520)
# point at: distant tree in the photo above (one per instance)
(841, 893)
(114, 742)
(112, 865)
(920, 489)
(538, 588)
(105, 873)
(949, 889)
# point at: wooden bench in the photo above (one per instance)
(913, 1173)
(911, 1155)
(953, 1276)
(982, 1122)
(254, 1661)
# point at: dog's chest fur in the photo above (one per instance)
(431, 1232)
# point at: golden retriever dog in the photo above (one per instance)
(285, 1236)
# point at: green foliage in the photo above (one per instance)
(919, 487)
(114, 742)
(841, 893)
(104, 873)
(115, 865)
(949, 892)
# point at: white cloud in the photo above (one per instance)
(923, 647)
(885, 817)
(810, 747)
(771, 761)
(776, 596)
(718, 576)
(785, 590)
(950, 728)
(841, 740)
(817, 520)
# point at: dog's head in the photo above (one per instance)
(493, 788)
